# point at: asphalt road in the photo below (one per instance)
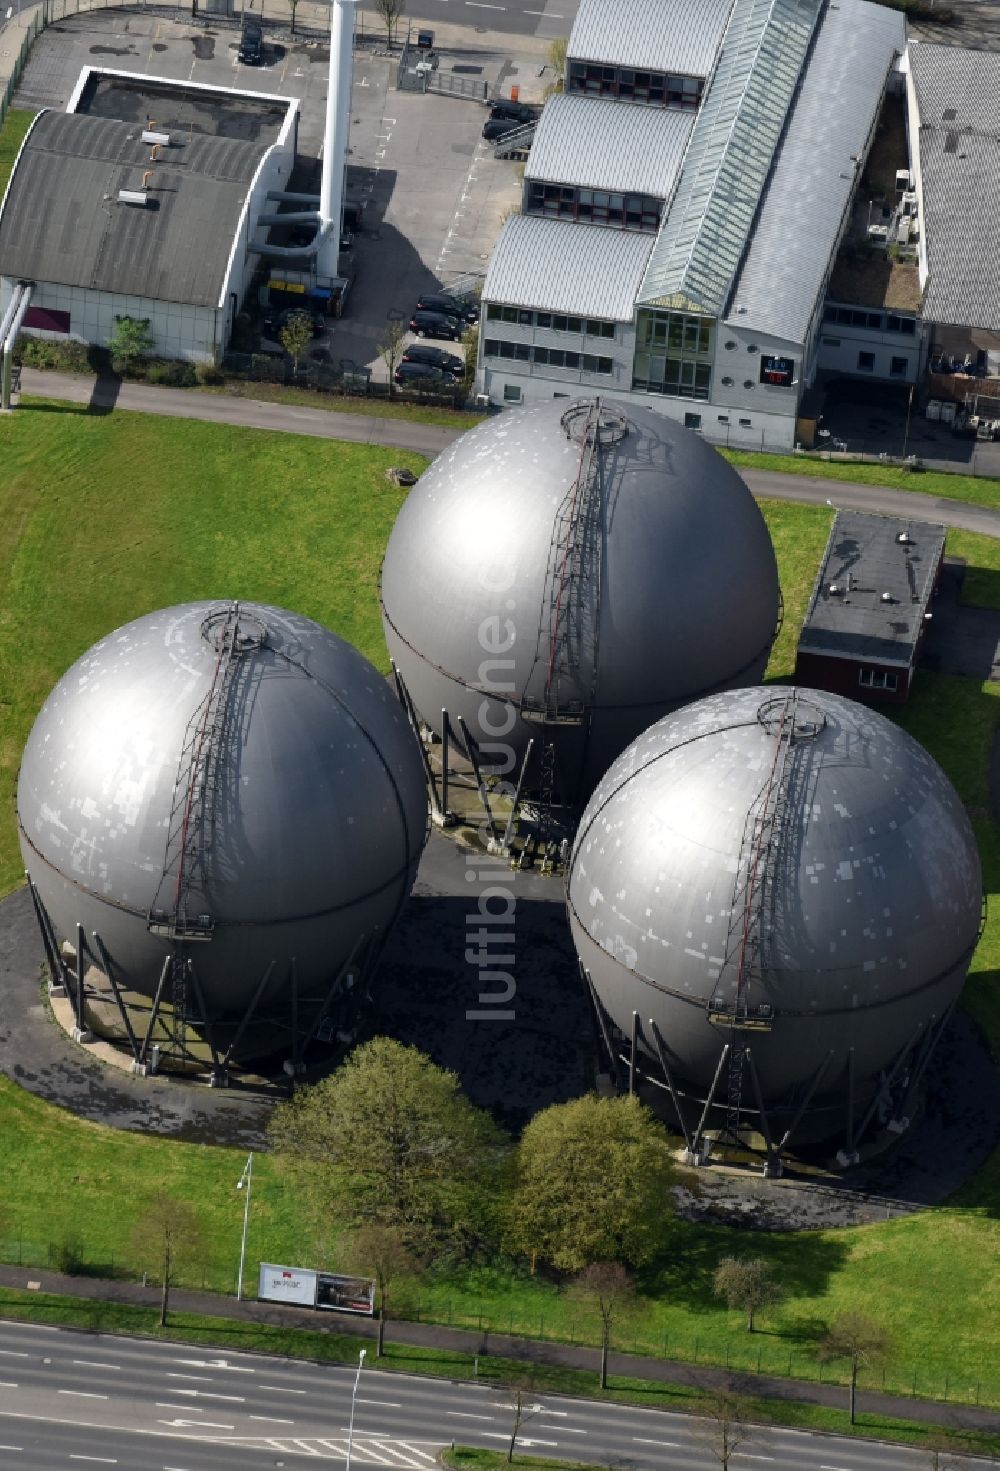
(512, 17)
(70, 1399)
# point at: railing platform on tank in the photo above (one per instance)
(730, 1014)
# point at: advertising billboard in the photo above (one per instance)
(292, 1285)
(777, 371)
(346, 1294)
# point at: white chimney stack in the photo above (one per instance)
(338, 120)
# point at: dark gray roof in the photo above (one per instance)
(865, 559)
(958, 99)
(62, 222)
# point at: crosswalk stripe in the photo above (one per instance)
(391, 1450)
(418, 1452)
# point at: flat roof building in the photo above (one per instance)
(865, 623)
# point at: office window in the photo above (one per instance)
(876, 679)
(831, 341)
(692, 421)
(746, 423)
(512, 393)
(866, 362)
(897, 368)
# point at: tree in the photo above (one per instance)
(722, 1425)
(167, 1233)
(746, 1283)
(608, 1289)
(556, 59)
(390, 1139)
(130, 342)
(860, 1340)
(523, 1404)
(470, 346)
(389, 12)
(293, 5)
(382, 1252)
(391, 349)
(944, 1453)
(592, 1184)
(296, 336)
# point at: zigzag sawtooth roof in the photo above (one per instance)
(681, 41)
(597, 143)
(563, 266)
(62, 222)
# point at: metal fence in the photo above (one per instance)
(343, 380)
(28, 24)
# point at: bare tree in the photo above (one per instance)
(944, 1453)
(296, 336)
(746, 1283)
(523, 1405)
(389, 12)
(167, 1233)
(382, 1251)
(722, 1425)
(607, 1289)
(391, 349)
(860, 1340)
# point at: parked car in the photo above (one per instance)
(422, 375)
(450, 306)
(436, 324)
(435, 357)
(496, 128)
(251, 48)
(515, 112)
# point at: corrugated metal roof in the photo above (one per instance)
(814, 174)
(596, 143)
(559, 266)
(62, 221)
(639, 33)
(704, 234)
(864, 559)
(958, 98)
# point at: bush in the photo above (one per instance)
(65, 357)
(67, 1255)
(208, 373)
(172, 373)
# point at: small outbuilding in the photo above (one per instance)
(865, 624)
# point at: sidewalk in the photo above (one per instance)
(500, 1345)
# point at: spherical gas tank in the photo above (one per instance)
(585, 569)
(788, 861)
(230, 779)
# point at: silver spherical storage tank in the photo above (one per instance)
(570, 574)
(781, 892)
(221, 810)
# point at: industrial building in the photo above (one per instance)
(865, 624)
(155, 200)
(707, 228)
(775, 895)
(221, 810)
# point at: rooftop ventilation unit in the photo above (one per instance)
(150, 135)
(887, 597)
(133, 196)
(835, 590)
(904, 538)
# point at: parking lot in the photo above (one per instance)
(434, 195)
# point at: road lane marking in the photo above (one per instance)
(639, 1440)
(238, 1399)
(468, 1415)
(11, 1447)
(202, 1378)
(103, 1460)
(197, 1424)
(387, 1404)
(571, 1430)
(93, 1364)
(6, 1384)
(82, 1393)
(215, 1364)
(272, 1419)
(749, 1456)
(189, 1409)
(14, 1353)
(280, 1389)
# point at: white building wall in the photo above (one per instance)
(841, 345)
(542, 381)
(189, 332)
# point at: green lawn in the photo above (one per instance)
(16, 122)
(103, 518)
(979, 489)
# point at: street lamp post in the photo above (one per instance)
(244, 1183)
(354, 1395)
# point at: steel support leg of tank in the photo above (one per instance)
(886, 1092)
(661, 1053)
(632, 1051)
(470, 747)
(511, 820)
(817, 1078)
(603, 1025)
(331, 990)
(294, 1065)
(439, 814)
(698, 1154)
(247, 1016)
(773, 1168)
(81, 1032)
(143, 1066)
(933, 1038)
(219, 1078)
(57, 975)
(849, 1154)
(108, 969)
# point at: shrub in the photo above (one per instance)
(67, 1255)
(172, 373)
(208, 373)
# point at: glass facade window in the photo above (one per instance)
(548, 357)
(673, 354)
(550, 321)
(871, 321)
(656, 89)
(622, 211)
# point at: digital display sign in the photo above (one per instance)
(777, 371)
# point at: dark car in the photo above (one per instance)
(251, 50)
(514, 112)
(434, 357)
(436, 324)
(496, 128)
(448, 305)
(422, 375)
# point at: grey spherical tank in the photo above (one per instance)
(233, 788)
(584, 568)
(788, 875)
